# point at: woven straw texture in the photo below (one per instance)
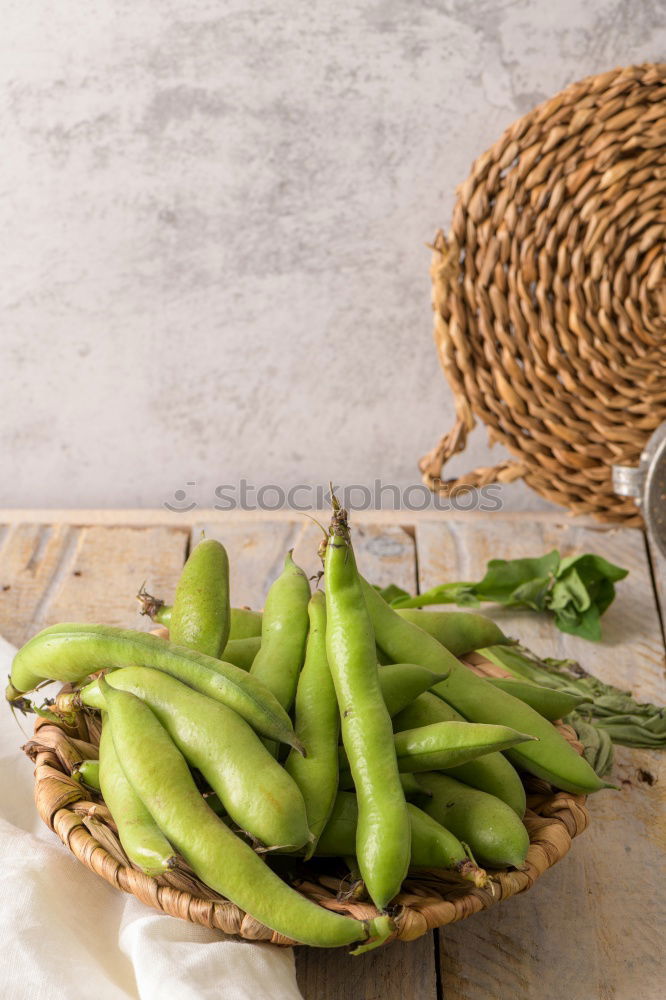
(430, 898)
(549, 294)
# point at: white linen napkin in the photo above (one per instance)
(68, 935)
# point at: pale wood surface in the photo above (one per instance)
(591, 927)
(601, 905)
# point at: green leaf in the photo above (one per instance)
(531, 594)
(569, 590)
(586, 626)
(591, 567)
(503, 576)
(604, 595)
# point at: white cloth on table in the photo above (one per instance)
(68, 935)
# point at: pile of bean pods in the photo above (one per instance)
(330, 725)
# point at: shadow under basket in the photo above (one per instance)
(429, 898)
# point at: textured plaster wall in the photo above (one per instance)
(214, 217)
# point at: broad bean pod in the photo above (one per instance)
(242, 652)
(443, 745)
(459, 631)
(143, 842)
(317, 724)
(432, 846)
(548, 702)
(255, 791)
(491, 773)
(491, 829)
(200, 615)
(383, 832)
(70, 652)
(160, 776)
(283, 633)
(550, 757)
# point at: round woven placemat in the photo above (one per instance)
(429, 898)
(550, 298)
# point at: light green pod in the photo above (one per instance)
(70, 652)
(401, 683)
(432, 846)
(402, 641)
(383, 834)
(242, 652)
(317, 724)
(460, 631)
(160, 776)
(245, 623)
(549, 757)
(144, 844)
(491, 773)
(548, 702)
(200, 614)
(284, 631)
(444, 745)
(491, 829)
(88, 773)
(256, 792)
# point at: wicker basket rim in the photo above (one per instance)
(429, 899)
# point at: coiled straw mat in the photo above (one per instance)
(429, 898)
(549, 294)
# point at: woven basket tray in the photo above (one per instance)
(549, 294)
(430, 898)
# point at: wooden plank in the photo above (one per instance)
(256, 554)
(385, 554)
(52, 573)
(108, 565)
(591, 927)
(33, 559)
(177, 519)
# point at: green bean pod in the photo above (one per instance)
(550, 757)
(283, 633)
(144, 844)
(70, 652)
(163, 615)
(88, 773)
(411, 787)
(200, 615)
(432, 845)
(548, 702)
(246, 624)
(242, 652)
(459, 631)
(487, 825)
(401, 683)
(491, 773)
(160, 776)
(317, 725)
(444, 745)
(255, 791)
(383, 833)
(402, 641)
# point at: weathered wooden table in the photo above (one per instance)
(593, 926)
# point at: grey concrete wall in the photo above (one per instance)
(214, 218)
